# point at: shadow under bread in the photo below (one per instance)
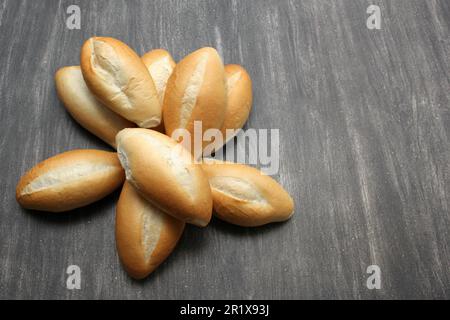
(239, 231)
(97, 209)
(191, 243)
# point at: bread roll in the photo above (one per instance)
(239, 102)
(165, 174)
(70, 180)
(244, 196)
(85, 108)
(160, 64)
(117, 76)
(196, 92)
(145, 236)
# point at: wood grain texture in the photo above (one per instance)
(365, 124)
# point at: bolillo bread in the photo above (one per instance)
(116, 75)
(239, 102)
(196, 92)
(70, 180)
(145, 236)
(240, 97)
(85, 108)
(165, 174)
(160, 64)
(244, 196)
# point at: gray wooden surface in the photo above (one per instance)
(365, 124)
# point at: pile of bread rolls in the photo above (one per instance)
(135, 104)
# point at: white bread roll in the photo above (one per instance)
(240, 97)
(85, 108)
(116, 75)
(196, 92)
(145, 236)
(160, 64)
(70, 180)
(245, 196)
(239, 102)
(165, 174)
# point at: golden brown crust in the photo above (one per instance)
(165, 174)
(130, 230)
(239, 103)
(244, 196)
(154, 55)
(196, 92)
(70, 180)
(85, 108)
(240, 97)
(160, 64)
(116, 75)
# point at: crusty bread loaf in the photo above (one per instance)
(239, 103)
(160, 64)
(196, 92)
(85, 108)
(244, 196)
(145, 236)
(165, 174)
(70, 180)
(116, 75)
(240, 97)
